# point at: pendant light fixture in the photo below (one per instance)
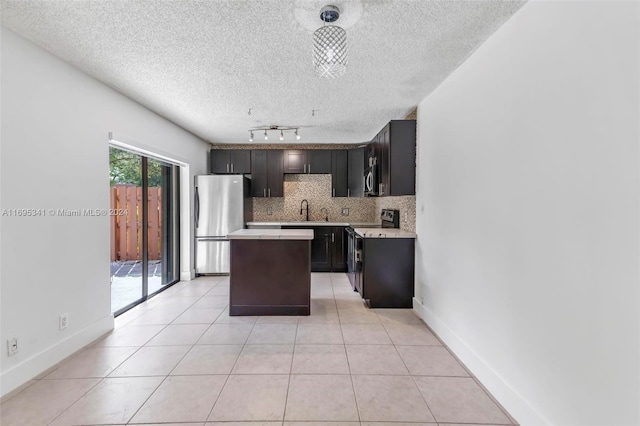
(330, 45)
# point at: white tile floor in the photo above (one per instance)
(180, 359)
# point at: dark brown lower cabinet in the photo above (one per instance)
(339, 250)
(387, 272)
(328, 248)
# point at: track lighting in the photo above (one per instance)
(281, 129)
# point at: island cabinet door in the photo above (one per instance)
(321, 249)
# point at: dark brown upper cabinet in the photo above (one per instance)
(267, 179)
(339, 173)
(316, 161)
(356, 159)
(394, 148)
(230, 161)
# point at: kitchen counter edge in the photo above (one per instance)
(257, 225)
(384, 233)
(271, 234)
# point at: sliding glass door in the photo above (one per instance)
(144, 227)
(163, 225)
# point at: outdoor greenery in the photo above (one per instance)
(126, 168)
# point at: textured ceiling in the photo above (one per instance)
(203, 64)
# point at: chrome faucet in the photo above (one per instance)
(307, 207)
(326, 215)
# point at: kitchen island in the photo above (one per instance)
(270, 272)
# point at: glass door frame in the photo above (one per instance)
(172, 197)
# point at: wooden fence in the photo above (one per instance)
(126, 229)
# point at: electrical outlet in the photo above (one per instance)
(12, 346)
(345, 211)
(64, 321)
(406, 216)
(269, 211)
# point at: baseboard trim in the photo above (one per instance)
(31, 367)
(510, 399)
(187, 275)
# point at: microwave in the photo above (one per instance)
(371, 180)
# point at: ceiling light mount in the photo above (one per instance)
(280, 129)
(329, 13)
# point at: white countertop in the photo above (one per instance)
(271, 234)
(315, 223)
(384, 233)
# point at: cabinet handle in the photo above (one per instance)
(231, 167)
(309, 168)
(333, 192)
(227, 168)
(269, 192)
(305, 168)
(333, 237)
(348, 192)
(264, 192)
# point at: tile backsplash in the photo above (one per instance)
(317, 190)
(407, 206)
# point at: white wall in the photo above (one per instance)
(55, 129)
(527, 259)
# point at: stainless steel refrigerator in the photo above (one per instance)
(223, 204)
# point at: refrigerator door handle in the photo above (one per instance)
(197, 208)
